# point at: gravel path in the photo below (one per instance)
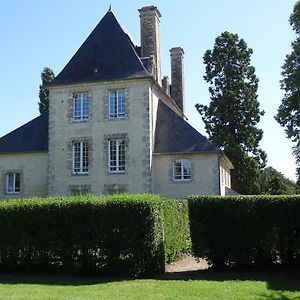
(187, 263)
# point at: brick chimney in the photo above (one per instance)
(150, 37)
(177, 76)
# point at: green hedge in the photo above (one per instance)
(246, 230)
(177, 240)
(121, 234)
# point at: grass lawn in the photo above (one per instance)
(190, 285)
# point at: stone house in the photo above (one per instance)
(114, 125)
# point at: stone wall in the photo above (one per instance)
(98, 129)
(33, 169)
(204, 179)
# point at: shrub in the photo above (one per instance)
(246, 230)
(119, 234)
(177, 240)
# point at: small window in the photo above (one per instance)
(13, 183)
(81, 107)
(117, 104)
(116, 156)
(182, 170)
(80, 157)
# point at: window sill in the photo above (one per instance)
(79, 174)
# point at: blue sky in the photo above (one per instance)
(39, 33)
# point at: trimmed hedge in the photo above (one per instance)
(177, 240)
(246, 230)
(120, 234)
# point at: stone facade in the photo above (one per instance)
(134, 128)
(32, 168)
(204, 178)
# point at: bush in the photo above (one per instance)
(246, 230)
(120, 234)
(177, 240)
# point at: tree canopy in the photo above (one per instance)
(233, 113)
(46, 76)
(288, 115)
(275, 183)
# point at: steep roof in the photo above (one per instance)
(175, 135)
(107, 54)
(33, 136)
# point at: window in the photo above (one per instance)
(81, 107)
(116, 156)
(80, 157)
(117, 104)
(182, 170)
(13, 183)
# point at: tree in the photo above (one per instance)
(233, 113)
(47, 75)
(275, 183)
(288, 115)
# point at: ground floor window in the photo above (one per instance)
(13, 183)
(116, 155)
(80, 157)
(182, 170)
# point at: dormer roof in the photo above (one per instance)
(107, 54)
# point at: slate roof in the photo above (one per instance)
(33, 136)
(175, 135)
(107, 54)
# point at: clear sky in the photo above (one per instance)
(39, 33)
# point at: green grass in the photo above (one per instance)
(198, 285)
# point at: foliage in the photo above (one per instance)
(246, 230)
(47, 75)
(275, 183)
(119, 234)
(233, 113)
(288, 115)
(177, 240)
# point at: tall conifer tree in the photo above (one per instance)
(288, 115)
(233, 113)
(47, 75)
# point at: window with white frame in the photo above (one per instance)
(117, 104)
(80, 157)
(13, 183)
(81, 107)
(116, 155)
(182, 170)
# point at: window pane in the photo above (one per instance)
(10, 183)
(17, 182)
(116, 155)
(117, 104)
(182, 169)
(80, 157)
(81, 106)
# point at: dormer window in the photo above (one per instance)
(81, 107)
(117, 104)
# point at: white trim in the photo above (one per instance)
(118, 159)
(116, 96)
(81, 97)
(14, 189)
(81, 157)
(184, 163)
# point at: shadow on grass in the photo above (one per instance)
(276, 280)
(60, 280)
